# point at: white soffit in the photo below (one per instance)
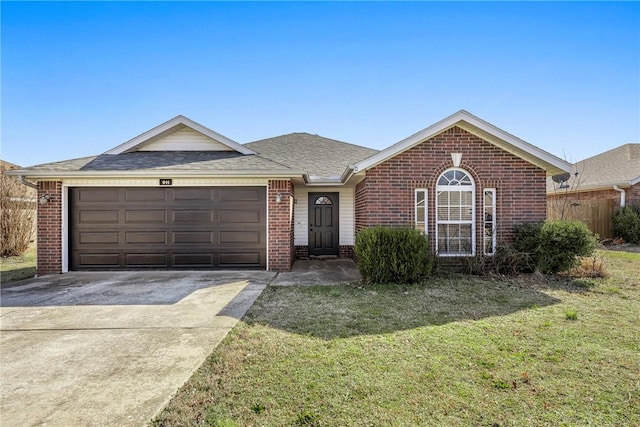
(161, 137)
(479, 127)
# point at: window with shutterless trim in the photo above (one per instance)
(455, 213)
(421, 212)
(489, 221)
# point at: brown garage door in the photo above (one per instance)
(190, 227)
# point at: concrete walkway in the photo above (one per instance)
(111, 349)
(319, 272)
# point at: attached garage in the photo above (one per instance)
(172, 227)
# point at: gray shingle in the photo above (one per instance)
(314, 154)
(619, 165)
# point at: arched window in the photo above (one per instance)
(455, 213)
(322, 200)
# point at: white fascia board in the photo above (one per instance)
(53, 175)
(635, 181)
(535, 155)
(176, 121)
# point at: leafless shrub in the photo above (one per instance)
(16, 217)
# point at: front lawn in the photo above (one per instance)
(459, 351)
(19, 267)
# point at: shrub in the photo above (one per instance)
(528, 242)
(562, 243)
(16, 218)
(626, 223)
(393, 255)
(553, 246)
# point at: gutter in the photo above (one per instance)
(623, 195)
(23, 180)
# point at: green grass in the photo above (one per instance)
(457, 351)
(18, 268)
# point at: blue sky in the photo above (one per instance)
(79, 78)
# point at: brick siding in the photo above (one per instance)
(386, 195)
(281, 248)
(49, 229)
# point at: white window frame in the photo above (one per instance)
(491, 222)
(459, 188)
(425, 195)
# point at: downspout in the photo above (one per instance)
(22, 180)
(623, 195)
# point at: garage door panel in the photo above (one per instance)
(192, 216)
(187, 227)
(111, 260)
(98, 217)
(145, 195)
(105, 237)
(101, 195)
(241, 194)
(147, 237)
(193, 260)
(145, 216)
(238, 237)
(188, 194)
(237, 216)
(146, 260)
(192, 237)
(231, 259)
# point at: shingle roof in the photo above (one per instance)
(619, 166)
(166, 161)
(317, 156)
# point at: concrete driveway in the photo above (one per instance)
(111, 348)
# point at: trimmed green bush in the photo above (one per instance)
(626, 223)
(562, 243)
(393, 255)
(554, 246)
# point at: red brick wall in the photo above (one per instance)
(281, 248)
(49, 228)
(386, 196)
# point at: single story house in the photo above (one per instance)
(596, 187)
(183, 196)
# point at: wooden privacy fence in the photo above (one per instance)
(595, 213)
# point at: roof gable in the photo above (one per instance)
(488, 132)
(180, 134)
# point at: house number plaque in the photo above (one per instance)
(166, 181)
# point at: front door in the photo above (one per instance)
(323, 224)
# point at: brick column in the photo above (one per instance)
(49, 228)
(281, 250)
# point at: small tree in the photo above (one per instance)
(17, 213)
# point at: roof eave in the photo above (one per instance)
(53, 175)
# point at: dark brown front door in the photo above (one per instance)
(323, 224)
(175, 227)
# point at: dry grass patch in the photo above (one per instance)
(458, 351)
(18, 267)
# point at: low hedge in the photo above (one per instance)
(393, 255)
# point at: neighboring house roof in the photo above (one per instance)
(467, 121)
(619, 166)
(323, 159)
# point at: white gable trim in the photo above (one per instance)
(479, 127)
(171, 126)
